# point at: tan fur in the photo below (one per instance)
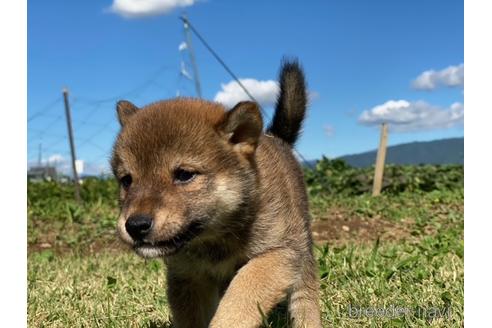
(255, 246)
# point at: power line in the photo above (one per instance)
(95, 134)
(57, 119)
(53, 144)
(217, 57)
(39, 134)
(85, 119)
(104, 150)
(43, 110)
(95, 104)
(43, 115)
(139, 89)
(231, 73)
(44, 134)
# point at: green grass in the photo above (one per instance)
(421, 206)
(107, 290)
(122, 290)
(421, 272)
(426, 275)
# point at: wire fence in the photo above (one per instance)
(47, 134)
(94, 123)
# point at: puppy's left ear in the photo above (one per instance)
(243, 126)
(125, 110)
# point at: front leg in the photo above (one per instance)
(193, 300)
(260, 284)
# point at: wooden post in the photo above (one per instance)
(72, 146)
(379, 170)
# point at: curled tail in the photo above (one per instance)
(291, 103)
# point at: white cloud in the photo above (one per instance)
(405, 116)
(265, 92)
(143, 8)
(56, 158)
(452, 76)
(60, 162)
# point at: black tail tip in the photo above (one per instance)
(291, 102)
(290, 64)
(290, 67)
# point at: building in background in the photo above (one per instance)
(41, 173)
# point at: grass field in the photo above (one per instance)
(391, 261)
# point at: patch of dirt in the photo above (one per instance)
(339, 229)
(336, 227)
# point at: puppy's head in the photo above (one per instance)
(186, 169)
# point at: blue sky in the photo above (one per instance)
(359, 56)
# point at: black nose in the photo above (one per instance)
(138, 226)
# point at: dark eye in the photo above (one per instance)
(126, 181)
(184, 176)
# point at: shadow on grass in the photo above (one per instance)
(278, 318)
(158, 324)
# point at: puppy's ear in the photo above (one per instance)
(243, 126)
(125, 110)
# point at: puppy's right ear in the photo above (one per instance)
(125, 110)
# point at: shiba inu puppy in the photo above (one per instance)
(223, 203)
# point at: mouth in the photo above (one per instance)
(170, 246)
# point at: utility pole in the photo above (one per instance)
(40, 156)
(188, 27)
(72, 146)
(379, 169)
(196, 78)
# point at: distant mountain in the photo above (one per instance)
(444, 151)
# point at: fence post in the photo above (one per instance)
(72, 146)
(381, 156)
